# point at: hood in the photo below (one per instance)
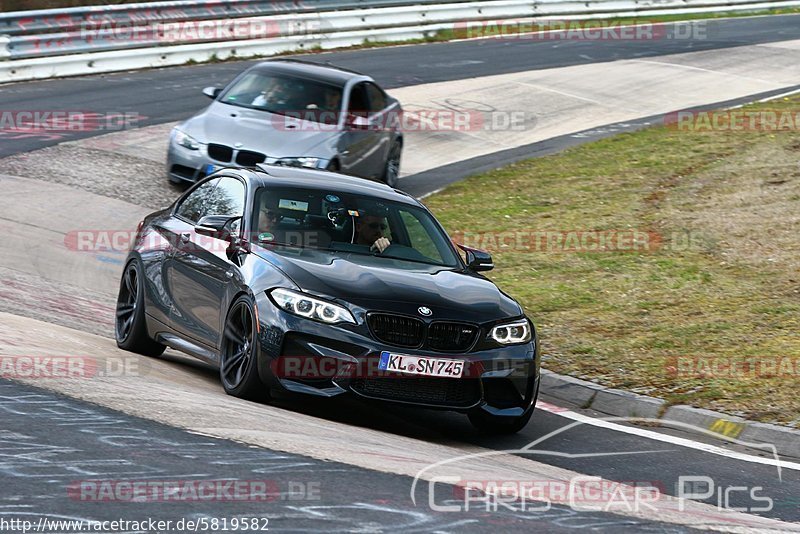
(384, 284)
(260, 131)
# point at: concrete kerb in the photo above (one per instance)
(621, 403)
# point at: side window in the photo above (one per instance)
(420, 238)
(377, 98)
(193, 207)
(359, 104)
(227, 199)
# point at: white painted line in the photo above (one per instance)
(666, 438)
(782, 95)
(431, 193)
(564, 93)
(700, 69)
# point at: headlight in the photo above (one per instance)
(310, 307)
(511, 333)
(310, 163)
(186, 141)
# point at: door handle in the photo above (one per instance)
(229, 274)
(185, 236)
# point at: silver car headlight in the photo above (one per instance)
(307, 162)
(186, 141)
(310, 307)
(510, 333)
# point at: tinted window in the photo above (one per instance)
(227, 199)
(309, 99)
(377, 98)
(347, 223)
(420, 234)
(194, 206)
(359, 104)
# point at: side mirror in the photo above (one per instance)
(477, 260)
(218, 226)
(357, 122)
(212, 92)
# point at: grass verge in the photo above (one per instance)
(698, 315)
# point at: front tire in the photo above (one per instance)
(391, 172)
(238, 368)
(130, 326)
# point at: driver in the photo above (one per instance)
(267, 219)
(370, 231)
(277, 93)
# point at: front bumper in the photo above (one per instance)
(305, 356)
(185, 165)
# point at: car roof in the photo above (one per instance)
(274, 175)
(309, 70)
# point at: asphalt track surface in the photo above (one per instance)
(42, 450)
(63, 450)
(173, 94)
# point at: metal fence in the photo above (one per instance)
(58, 42)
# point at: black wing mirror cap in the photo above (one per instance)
(477, 260)
(218, 226)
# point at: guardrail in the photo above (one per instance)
(63, 42)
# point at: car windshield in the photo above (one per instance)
(343, 222)
(298, 97)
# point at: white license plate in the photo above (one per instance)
(211, 169)
(421, 365)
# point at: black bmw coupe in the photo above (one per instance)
(319, 283)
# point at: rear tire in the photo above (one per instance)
(130, 325)
(495, 424)
(238, 367)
